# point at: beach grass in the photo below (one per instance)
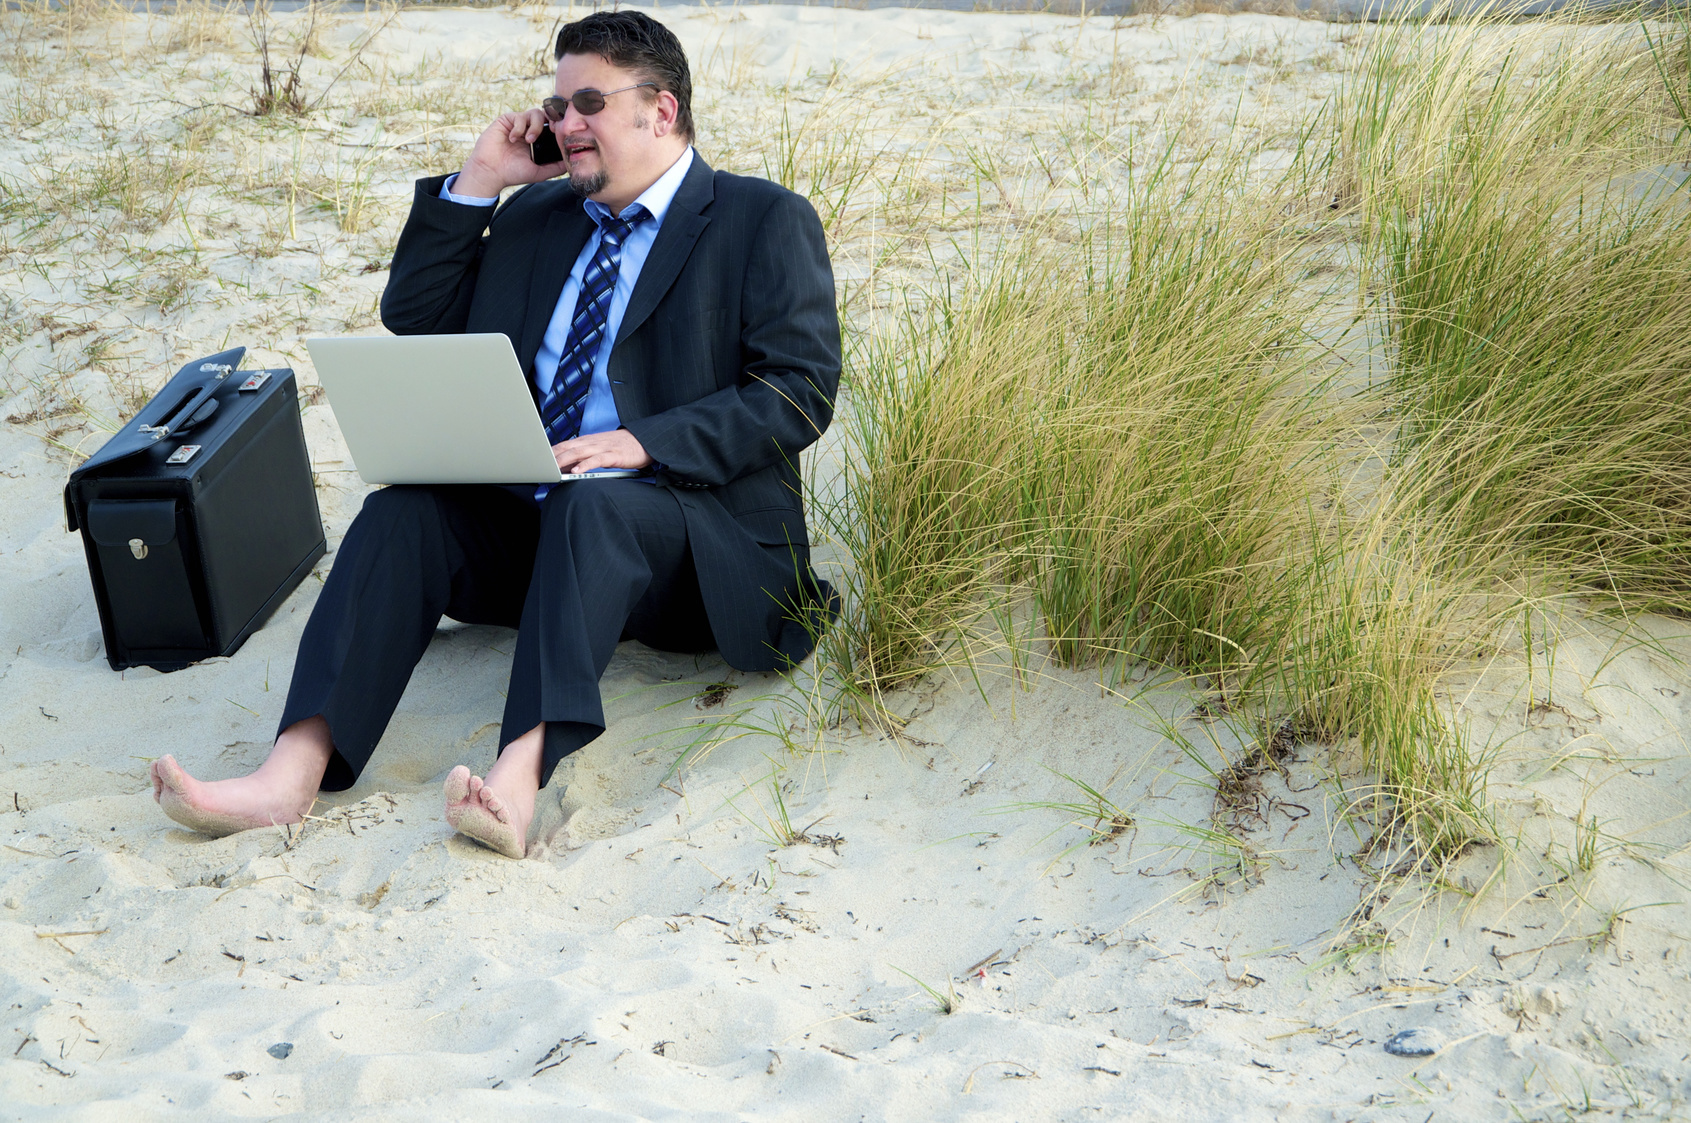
(1544, 379)
(1117, 448)
(1520, 194)
(1126, 451)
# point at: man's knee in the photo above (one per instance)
(622, 518)
(584, 507)
(399, 505)
(399, 521)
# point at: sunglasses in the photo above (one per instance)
(586, 102)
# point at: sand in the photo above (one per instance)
(660, 955)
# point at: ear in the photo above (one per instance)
(665, 108)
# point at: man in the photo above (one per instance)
(672, 319)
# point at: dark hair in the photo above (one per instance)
(635, 41)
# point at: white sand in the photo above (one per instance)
(657, 957)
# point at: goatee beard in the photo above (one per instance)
(585, 186)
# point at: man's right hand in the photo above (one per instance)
(501, 156)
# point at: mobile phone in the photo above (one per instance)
(545, 149)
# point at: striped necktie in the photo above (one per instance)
(562, 407)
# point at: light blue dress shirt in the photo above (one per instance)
(599, 415)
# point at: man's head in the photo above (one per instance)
(639, 132)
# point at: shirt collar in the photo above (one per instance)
(656, 198)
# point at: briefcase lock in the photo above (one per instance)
(138, 548)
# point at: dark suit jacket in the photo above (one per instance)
(724, 368)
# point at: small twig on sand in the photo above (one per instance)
(54, 936)
(1026, 1074)
(37, 853)
(256, 880)
(578, 1039)
(553, 1065)
(702, 916)
(86, 932)
(983, 963)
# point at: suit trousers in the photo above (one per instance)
(597, 562)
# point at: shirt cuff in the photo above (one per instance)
(468, 200)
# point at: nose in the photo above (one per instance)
(572, 122)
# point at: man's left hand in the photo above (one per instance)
(616, 449)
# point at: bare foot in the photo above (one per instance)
(474, 809)
(281, 791)
(224, 806)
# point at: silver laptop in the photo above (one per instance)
(438, 409)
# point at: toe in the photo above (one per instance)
(169, 774)
(458, 785)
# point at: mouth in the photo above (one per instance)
(578, 149)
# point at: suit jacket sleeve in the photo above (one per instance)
(790, 347)
(433, 276)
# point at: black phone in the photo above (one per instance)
(545, 149)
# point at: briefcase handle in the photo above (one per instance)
(197, 409)
(135, 438)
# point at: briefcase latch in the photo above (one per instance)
(138, 548)
(182, 455)
(254, 381)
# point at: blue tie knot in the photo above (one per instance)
(612, 230)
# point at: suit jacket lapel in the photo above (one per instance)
(681, 228)
(567, 231)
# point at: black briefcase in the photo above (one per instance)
(199, 517)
